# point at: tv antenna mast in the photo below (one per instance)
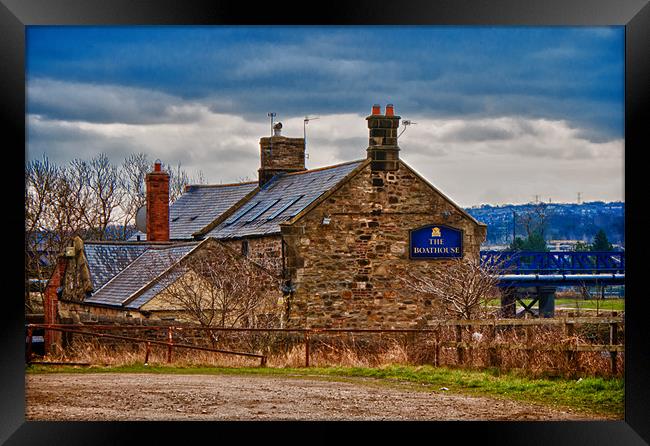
(271, 115)
(405, 123)
(304, 129)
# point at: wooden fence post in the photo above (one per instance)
(146, 355)
(613, 340)
(306, 349)
(169, 344)
(493, 358)
(436, 358)
(570, 353)
(470, 349)
(529, 346)
(459, 350)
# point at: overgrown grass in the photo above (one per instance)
(596, 396)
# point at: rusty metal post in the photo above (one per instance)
(28, 352)
(263, 361)
(146, 356)
(169, 344)
(459, 350)
(613, 340)
(306, 349)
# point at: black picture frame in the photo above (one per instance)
(15, 15)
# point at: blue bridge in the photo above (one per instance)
(519, 271)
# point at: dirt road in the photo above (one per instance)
(120, 396)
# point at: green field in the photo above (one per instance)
(579, 304)
(596, 396)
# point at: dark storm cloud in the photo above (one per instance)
(557, 73)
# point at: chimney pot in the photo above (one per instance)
(157, 166)
(277, 129)
(376, 109)
(390, 111)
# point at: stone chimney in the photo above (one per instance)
(157, 183)
(382, 145)
(279, 154)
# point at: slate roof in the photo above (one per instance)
(154, 288)
(153, 261)
(105, 260)
(281, 198)
(201, 204)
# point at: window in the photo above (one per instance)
(240, 213)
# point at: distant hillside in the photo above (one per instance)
(564, 221)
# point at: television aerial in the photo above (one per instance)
(405, 123)
(304, 128)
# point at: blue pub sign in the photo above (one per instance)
(435, 242)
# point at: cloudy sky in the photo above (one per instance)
(502, 113)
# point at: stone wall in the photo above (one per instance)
(280, 154)
(347, 273)
(265, 251)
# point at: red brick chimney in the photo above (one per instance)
(157, 183)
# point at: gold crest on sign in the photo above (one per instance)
(435, 232)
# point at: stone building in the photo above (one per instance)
(339, 237)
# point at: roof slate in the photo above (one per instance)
(259, 215)
(161, 283)
(200, 205)
(149, 265)
(106, 260)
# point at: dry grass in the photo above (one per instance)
(368, 350)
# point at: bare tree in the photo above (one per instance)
(40, 182)
(132, 180)
(463, 286)
(534, 219)
(105, 193)
(217, 287)
(84, 198)
(179, 178)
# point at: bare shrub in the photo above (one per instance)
(464, 286)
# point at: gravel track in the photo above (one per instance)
(133, 396)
